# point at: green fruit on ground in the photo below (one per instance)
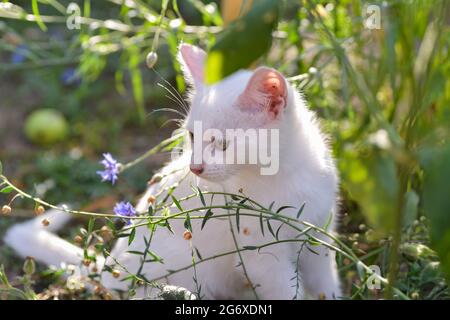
(46, 126)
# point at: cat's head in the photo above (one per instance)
(232, 116)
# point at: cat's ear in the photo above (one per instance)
(266, 91)
(192, 60)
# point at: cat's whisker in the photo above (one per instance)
(173, 88)
(181, 102)
(169, 110)
(171, 120)
(178, 104)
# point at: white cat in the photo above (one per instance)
(246, 99)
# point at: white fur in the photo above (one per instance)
(307, 175)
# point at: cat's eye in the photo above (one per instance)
(221, 144)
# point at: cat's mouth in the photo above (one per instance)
(211, 176)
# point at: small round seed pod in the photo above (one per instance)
(86, 262)
(116, 273)
(97, 289)
(29, 266)
(187, 235)
(78, 239)
(106, 233)
(151, 199)
(151, 59)
(6, 210)
(39, 210)
(155, 179)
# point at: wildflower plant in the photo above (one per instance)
(125, 209)
(112, 168)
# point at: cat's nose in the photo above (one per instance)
(197, 168)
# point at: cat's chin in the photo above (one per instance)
(213, 178)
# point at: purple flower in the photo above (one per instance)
(124, 209)
(70, 77)
(111, 168)
(19, 54)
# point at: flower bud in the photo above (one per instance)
(29, 266)
(6, 210)
(116, 273)
(155, 179)
(106, 233)
(187, 235)
(151, 199)
(78, 239)
(151, 59)
(97, 289)
(39, 210)
(86, 262)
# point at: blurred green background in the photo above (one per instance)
(376, 72)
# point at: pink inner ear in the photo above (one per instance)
(194, 58)
(266, 90)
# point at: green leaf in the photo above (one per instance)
(208, 215)
(169, 227)
(132, 236)
(261, 224)
(328, 222)
(110, 224)
(301, 210)
(187, 223)
(411, 208)
(202, 198)
(436, 203)
(237, 219)
(91, 225)
(99, 247)
(198, 253)
(270, 228)
(372, 182)
(243, 41)
(278, 231)
(122, 235)
(7, 189)
(155, 256)
(177, 203)
(284, 207)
